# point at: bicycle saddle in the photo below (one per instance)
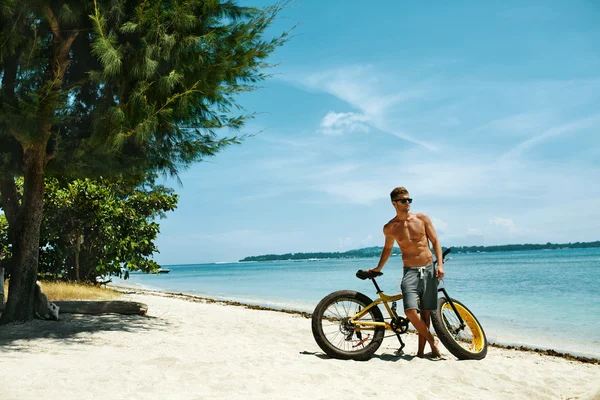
(362, 274)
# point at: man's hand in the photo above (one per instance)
(375, 270)
(439, 272)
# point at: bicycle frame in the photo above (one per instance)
(384, 298)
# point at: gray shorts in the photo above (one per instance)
(419, 283)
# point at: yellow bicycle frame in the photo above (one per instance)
(371, 325)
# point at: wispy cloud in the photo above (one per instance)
(440, 225)
(354, 191)
(506, 223)
(348, 243)
(565, 128)
(371, 93)
(519, 124)
(338, 123)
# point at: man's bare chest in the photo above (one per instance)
(412, 231)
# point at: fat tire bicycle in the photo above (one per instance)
(348, 325)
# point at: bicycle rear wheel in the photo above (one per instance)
(337, 336)
(467, 342)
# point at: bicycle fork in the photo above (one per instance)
(462, 322)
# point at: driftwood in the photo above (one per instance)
(99, 307)
(102, 307)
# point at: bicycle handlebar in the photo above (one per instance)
(444, 254)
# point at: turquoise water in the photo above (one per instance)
(543, 299)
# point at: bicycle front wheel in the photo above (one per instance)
(340, 338)
(465, 341)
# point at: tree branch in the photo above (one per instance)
(53, 22)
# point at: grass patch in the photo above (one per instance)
(57, 291)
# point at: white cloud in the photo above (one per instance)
(345, 243)
(473, 231)
(338, 123)
(439, 225)
(504, 222)
(349, 243)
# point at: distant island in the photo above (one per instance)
(375, 251)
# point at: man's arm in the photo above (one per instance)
(386, 252)
(437, 247)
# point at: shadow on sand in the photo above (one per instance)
(386, 356)
(74, 329)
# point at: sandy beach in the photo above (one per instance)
(204, 350)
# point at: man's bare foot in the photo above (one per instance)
(420, 355)
(435, 351)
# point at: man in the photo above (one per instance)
(413, 232)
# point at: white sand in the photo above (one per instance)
(188, 350)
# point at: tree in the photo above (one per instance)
(95, 228)
(115, 87)
(3, 253)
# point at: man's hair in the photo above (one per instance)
(398, 191)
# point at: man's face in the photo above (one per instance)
(402, 202)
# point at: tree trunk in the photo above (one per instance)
(78, 243)
(1, 286)
(19, 306)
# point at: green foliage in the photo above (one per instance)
(145, 85)
(104, 224)
(4, 245)
(521, 247)
(116, 88)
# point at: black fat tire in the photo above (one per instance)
(329, 348)
(448, 340)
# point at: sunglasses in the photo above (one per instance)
(403, 201)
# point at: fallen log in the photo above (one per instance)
(102, 307)
(99, 307)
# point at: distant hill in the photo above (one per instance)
(358, 253)
(375, 251)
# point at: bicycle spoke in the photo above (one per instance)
(467, 336)
(340, 332)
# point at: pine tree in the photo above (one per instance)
(115, 87)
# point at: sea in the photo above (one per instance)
(545, 299)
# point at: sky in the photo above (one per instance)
(487, 112)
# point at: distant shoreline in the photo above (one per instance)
(375, 251)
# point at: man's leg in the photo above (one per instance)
(423, 330)
(426, 318)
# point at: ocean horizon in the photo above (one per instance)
(546, 299)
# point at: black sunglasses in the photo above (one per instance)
(403, 201)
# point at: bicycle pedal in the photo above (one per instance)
(362, 341)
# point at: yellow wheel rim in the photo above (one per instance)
(471, 338)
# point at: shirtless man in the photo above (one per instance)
(413, 232)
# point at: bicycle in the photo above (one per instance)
(341, 318)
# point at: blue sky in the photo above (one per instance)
(488, 112)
